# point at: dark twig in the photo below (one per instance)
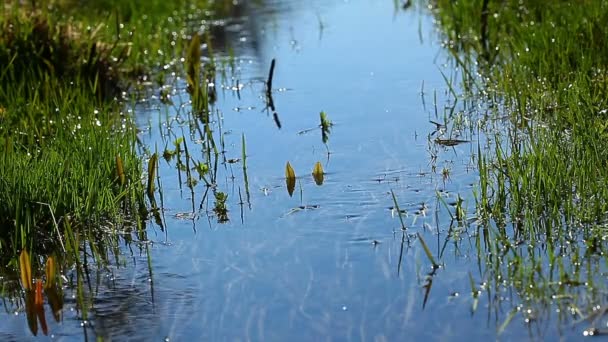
(269, 100)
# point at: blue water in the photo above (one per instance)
(340, 268)
(312, 274)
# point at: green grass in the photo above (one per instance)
(71, 175)
(69, 163)
(542, 197)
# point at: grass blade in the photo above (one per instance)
(152, 174)
(403, 227)
(50, 271)
(120, 171)
(427, 251)
(26, 269)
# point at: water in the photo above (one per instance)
(331, 261)
(330, 271)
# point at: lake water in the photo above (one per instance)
(329, 262)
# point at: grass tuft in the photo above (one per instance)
(538, 71)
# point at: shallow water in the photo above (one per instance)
(331, 261)
(330, 271)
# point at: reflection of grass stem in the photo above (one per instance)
(427, 251)
(474, 293)
(245, 178)
(508, 320)
(270, 76)
(403, 227)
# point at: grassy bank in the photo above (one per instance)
(71, 178)
(538, 69)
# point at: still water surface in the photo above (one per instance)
(331, 261)
(330, 271)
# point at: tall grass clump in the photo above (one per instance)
(540, 70)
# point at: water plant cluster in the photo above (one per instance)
(535, 73)
(72, 182)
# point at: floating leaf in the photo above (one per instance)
(26, 269)
(290, 178)
(120, 171)
(317, 173)
(50, 272)
(289, 172)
